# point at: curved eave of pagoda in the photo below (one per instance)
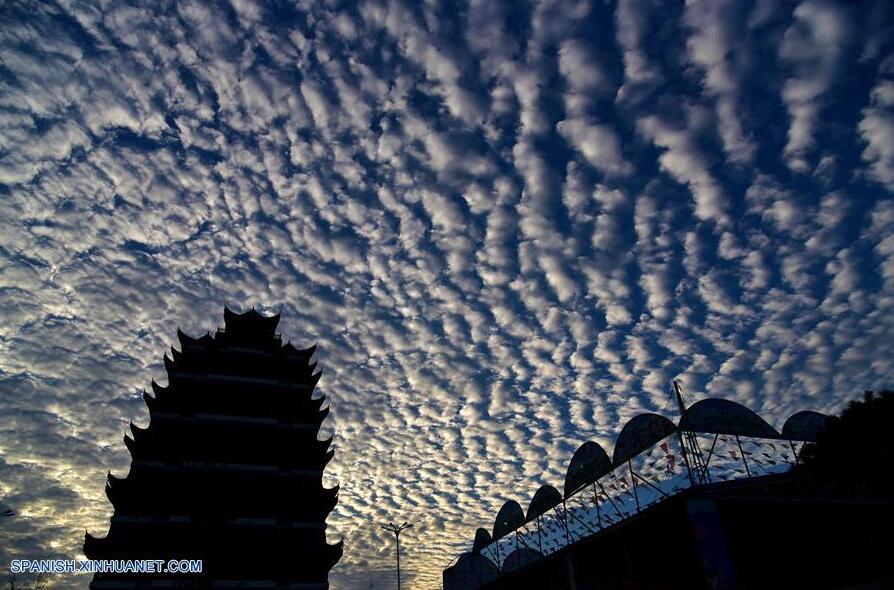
(114, 488)
(335, 550)
(330, 499)
(170, 365)
(327, 458)
(187, 342)
(321, 415)
(132, 447)
(304, 354)
(185, 339)
(159, 390)
(330, 495)
(142, 448)
(95, 547)
(137, 432)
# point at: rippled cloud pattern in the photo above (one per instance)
(507, 225)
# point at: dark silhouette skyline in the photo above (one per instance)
(814, 509)
(229, 469)
(856, 446)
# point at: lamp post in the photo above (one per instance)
(397, 531)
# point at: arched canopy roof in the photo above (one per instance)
(640, 433)
(520, 558)
(472, 564)
(482, 540)
(544, 499)
(804, 426)
(589, 463)
(509, 518)
(722, 416)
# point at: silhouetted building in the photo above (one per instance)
(229, 469)
(719, 501)
(774, 532)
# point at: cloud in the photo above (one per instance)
(599, 144)
(877, 127)
(505, 232)
(682, 159)
(712, 46)
(812, 47)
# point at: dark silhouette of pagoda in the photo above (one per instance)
(229, 469)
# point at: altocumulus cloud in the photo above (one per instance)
(507, 225)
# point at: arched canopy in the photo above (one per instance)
(469, 568)
(804, 426)
(520, 558)
(589, 463)
(509, 518)
(640, 433)
(482, 540)
(544, 499)
(722, 416)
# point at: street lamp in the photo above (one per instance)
(397, 531)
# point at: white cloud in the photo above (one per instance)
(877, 131)
(712, 46)
(687, 164)
(454, 208)
(812, 47)
(599, 144)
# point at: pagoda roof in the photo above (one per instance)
(250, 323)
(290, 349)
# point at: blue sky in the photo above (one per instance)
(507, 225)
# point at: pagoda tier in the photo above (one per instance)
(229, 469)
(211, 439)
(218, 396)
(149, 492)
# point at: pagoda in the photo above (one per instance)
(229, 469)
